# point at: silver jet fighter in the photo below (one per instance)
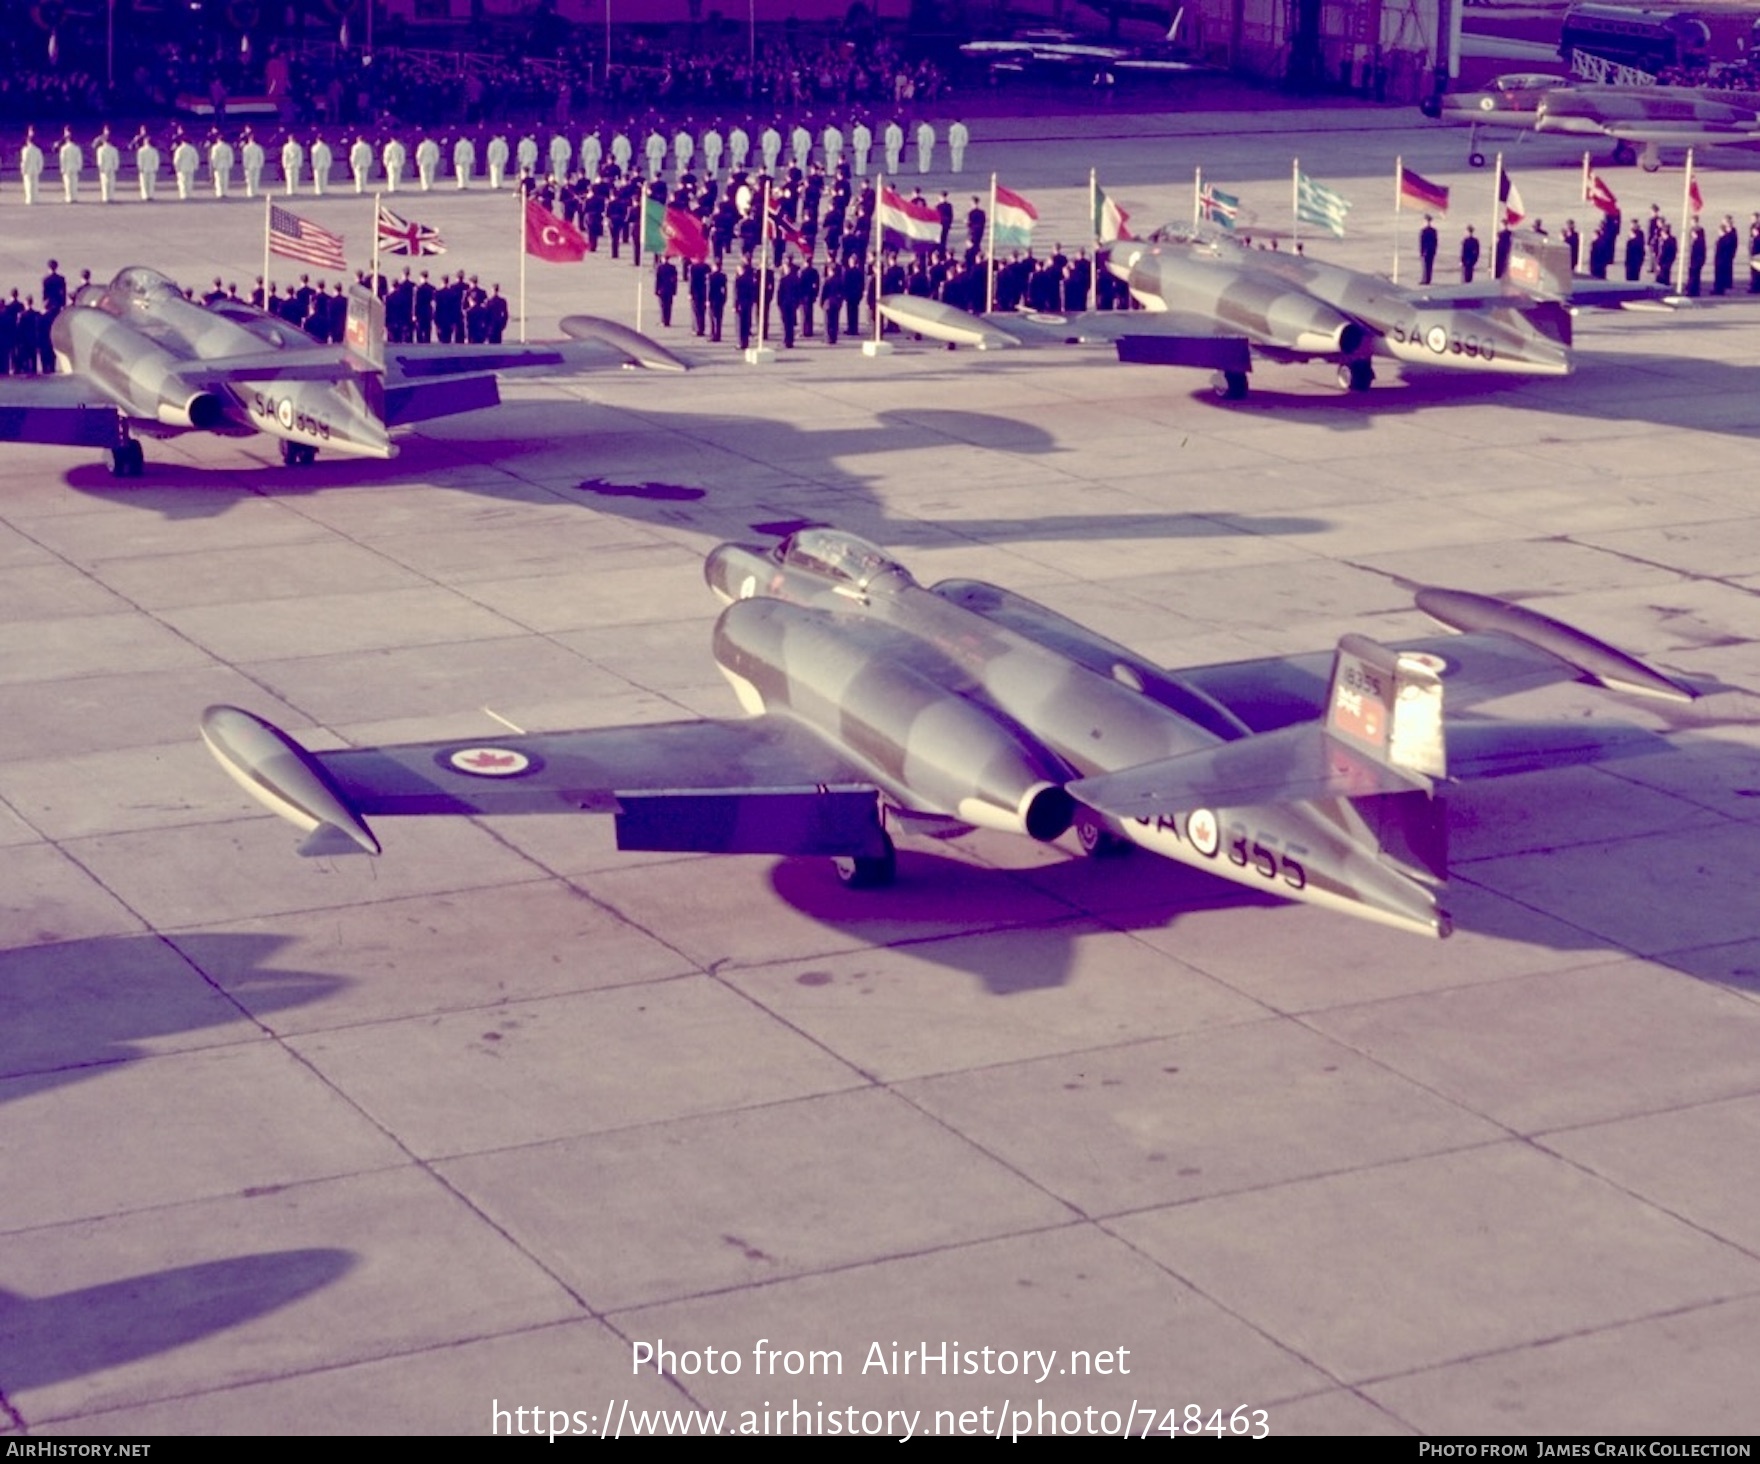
(137, 358)
(1218, 304)
(879, 706)
(1650, 118)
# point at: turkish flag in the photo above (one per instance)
(548, 237)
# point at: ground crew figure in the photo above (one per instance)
(251, 156)
(293, 163)
(108, 160)
(957, 141)
(72, 159)
(146, 166)
(712, 152)
(802, 142)
(925, 146)
(1469, 256)
(360, 162)
(395, 158)
(184, 162)
(592, 155)
(894, 139)
(654, 149)
(1754, 256)
(831, 139)
(220, 161)
(464, 161)
(1427, 244)
(770, 146)
(561, 156)
(323, 160)
(684, 148)
(427, 162)
(497, 160)
(738, 147)
(30, 164)
(622, 150)
(861, 141)
(526, 155)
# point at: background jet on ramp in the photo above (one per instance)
(137, 357)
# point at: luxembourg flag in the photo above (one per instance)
(1011, 218)
(916, 224)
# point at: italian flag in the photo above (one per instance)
(1012, 220)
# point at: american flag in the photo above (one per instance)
(301, 239)
(398, 235)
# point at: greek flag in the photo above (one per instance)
(1319, 205)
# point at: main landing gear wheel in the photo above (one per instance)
(1355, 375)
(1098, 841)
(1475, 160)
(1231, 386)
(126, 460)
(298, 454)
(859, 872)
(1624, 154)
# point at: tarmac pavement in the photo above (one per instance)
(384, 1146)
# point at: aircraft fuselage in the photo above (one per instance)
(958, 713)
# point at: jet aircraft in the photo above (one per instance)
(877, 705)
(137, 358)
(1217, 304)
(1641, 120)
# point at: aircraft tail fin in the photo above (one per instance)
(1387, 706)
(365, 332)
(1539, 268)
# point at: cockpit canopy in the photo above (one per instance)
(840, 556)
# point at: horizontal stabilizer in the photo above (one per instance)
(828, 821)
(322, 364)
(1214, 353)
(1294, 765)
(1601, 663)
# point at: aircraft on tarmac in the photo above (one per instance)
(1063, 52)
(1217, 304)
(138, 358)
(1641, 120)
(876, 705)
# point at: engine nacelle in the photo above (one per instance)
(951, 752)
(204, 411)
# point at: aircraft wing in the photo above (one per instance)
(759, 785)
(593, 344)
(1684, 133)
(1151, 337)
(67, 411)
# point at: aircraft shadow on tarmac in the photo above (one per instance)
(797, 475)
(49, 1339)
(78, 1008)
(1130, 893)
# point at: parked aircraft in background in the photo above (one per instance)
(878, 706)
(1218, 304)
(138, 358)
(1064, 52)
(1641, 120)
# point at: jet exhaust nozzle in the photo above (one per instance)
(204, 411)
(1047, 813)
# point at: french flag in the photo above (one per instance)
(916, 224)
